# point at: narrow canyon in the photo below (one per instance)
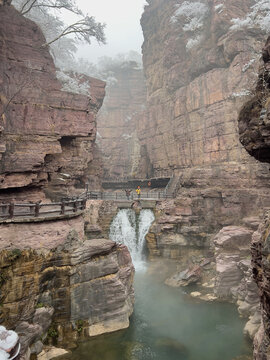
(86, 253)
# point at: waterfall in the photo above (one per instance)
(130, 229)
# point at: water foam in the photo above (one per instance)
(130, 229)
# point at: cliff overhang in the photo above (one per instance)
(46, 135)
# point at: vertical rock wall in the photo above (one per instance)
(254, 135)
(261, 270)
(196, 81)
(117, 122)
(87, 283)
(46, 135)
(199, 71)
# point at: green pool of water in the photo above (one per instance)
(169, 325)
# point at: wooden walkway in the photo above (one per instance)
(69, 207)
(38, 211)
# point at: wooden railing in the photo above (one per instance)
(145, 195)
(36, 210)
(72, 205)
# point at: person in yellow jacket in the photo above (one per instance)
(138, 191)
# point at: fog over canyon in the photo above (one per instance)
(134, 191)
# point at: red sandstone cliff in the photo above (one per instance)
(195, 92)
(46, 134)
(197, 81)
(87, 284)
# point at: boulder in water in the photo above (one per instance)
(52, 353)
(189, 276)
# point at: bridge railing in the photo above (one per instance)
(71, 206)
(35, 210)
(145, 195)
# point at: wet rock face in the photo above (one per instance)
(260, 250)
(233, 267)
(254, 136)
(98, 217)
(254, 118)
(46, 135)
(31, 332)
(88, 284)
(192, 275)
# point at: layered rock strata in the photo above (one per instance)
(47, 135)
(117, 121)
(199, 70)
(196, 84)
(87, 283)
(232, 252)
(202, 208)
(200, 67)
(98, 217)
(261, 270)
(254, 135)
(234, 280)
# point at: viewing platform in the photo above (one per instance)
(157, 181)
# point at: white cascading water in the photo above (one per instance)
(130, 229)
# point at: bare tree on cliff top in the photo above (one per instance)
(62, 38)
(27, 5)
(83, 29)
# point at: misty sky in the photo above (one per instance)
(123, 30)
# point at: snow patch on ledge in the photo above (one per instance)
(258, 17)
(191, 15)
(241, 93)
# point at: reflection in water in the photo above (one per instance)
(166, 323)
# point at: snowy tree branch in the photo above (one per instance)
(53, 4)
(23, 11)
(83, 29)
